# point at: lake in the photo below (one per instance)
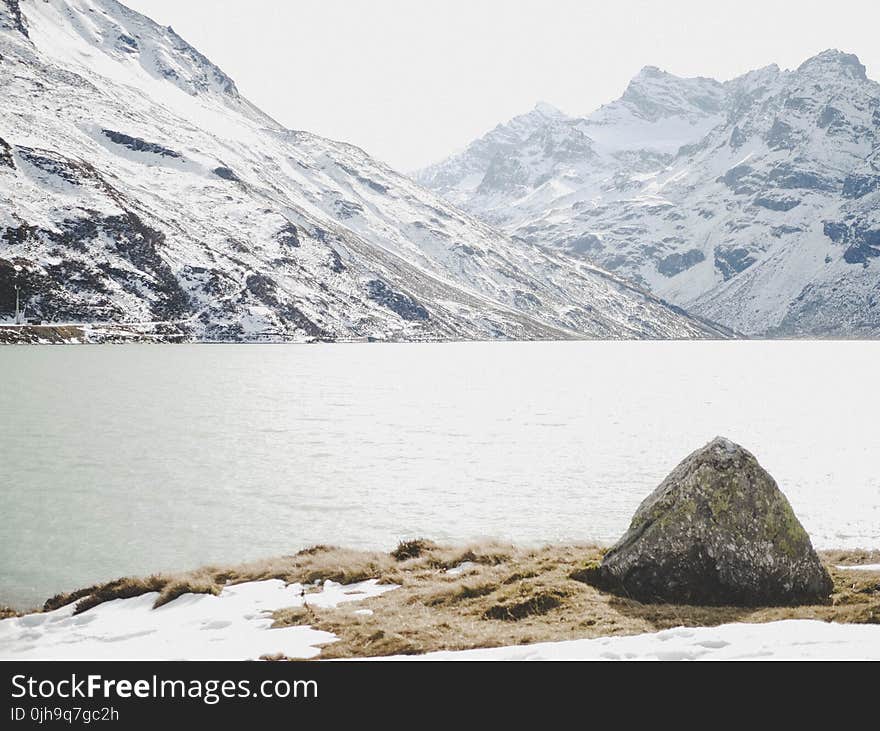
(141, 458)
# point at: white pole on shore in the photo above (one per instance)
(18, 318)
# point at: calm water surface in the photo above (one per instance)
(134, 459)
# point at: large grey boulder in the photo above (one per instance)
(716, 531)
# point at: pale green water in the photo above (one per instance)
(133, 459)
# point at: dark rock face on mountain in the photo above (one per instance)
(716, 531)
(12, 17)
(137, 144)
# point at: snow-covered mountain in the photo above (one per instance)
(755, 203)
(138, 185)
(521, 168)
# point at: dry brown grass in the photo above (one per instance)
(506, 596)
(850, 557)
(92, 596)
(313, 565)
(516, 596)
(188, 585)
(7, 612)
(411, 549)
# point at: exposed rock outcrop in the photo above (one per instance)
(716, 531)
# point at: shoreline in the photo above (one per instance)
(173, 333)
(447, 598)
(829, 557)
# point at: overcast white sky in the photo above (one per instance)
(411, 81)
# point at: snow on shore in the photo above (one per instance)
(790, 639)
(236, 625)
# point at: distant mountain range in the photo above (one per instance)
(137, 185)
(754, 203)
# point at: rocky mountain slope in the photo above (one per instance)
(138, 185)
(755, 202)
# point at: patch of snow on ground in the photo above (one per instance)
(461, 568)
(236, 625)
(790, 639)
(862, 567)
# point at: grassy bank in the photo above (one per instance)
(495, 595)
(510, 596)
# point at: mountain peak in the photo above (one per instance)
(651, 72)
(708, 194)
(653, 94)
(835, 61)
(69, 30)
(548, 110)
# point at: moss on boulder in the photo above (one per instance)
(717, 531)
